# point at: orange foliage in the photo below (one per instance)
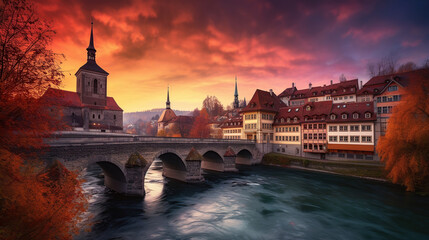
(200, 128)
(35, 203)
(404, 148)
(38, 204)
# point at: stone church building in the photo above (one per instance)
(89, 108)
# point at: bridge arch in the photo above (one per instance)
(213, 161)
(173, 165)
(244, 157)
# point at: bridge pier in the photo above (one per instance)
(193, 166)
(135, 168)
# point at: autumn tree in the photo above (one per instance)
(213, 106)
(404, 148)
(200, 128)
(36, 202)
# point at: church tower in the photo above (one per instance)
(236, 102)
(167, 104)
(91, 84)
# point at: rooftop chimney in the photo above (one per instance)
(293, 84)
(309, 85)
(331, 82)
(360, 85)
(271, 92)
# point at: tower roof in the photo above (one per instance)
(236, 90)
(91, 39)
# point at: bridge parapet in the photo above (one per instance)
(76, 138)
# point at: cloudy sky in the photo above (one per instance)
(197, 47)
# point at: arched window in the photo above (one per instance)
(295, 119)
(344, 116)
(332, 116)
(355, 115)
(95, 86)
(367, 115)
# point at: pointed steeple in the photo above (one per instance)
(91, 49)
(236, 103)
(168, 98)
(236, 91)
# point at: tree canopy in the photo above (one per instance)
(404, 148)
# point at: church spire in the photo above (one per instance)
(236, 103)
(91, 49)
(168, 98)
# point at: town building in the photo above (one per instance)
(232, 128)
(89, 108)
(171, 125)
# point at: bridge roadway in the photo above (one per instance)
(183, 158)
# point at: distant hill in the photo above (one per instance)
(132, 117)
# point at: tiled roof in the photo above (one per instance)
(58, 97)
(92, 66)
(405, 78)
(337, 89)
(167, 115)
(350, 108)
(263, 101)
(287, 92)
(232, 123)
(317, 108)
(288, 112)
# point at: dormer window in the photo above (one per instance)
(344, 90)
(308, 108)
(282, 120)
(295, 119)
(306, 119)
(367, 115)
(344, 116)
(333, 116)
(355, 115)
(288, 120)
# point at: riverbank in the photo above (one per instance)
(362, 169)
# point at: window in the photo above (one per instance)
(354, 128)
(332, 128)
(355, 115)
(392, 88)
(308, 108)
(367, 115)
(366, 127)
(332, 117)
(344, 116)
(320, 136)
(93, 116)
(379, 110)
(95, 86)
(310, 136)
(305, 146)
(343, 128)
(295, 119)
(114, 117)
(366, 139)
(344, 138)
(354, 138)
(320, 126)
(305, 126)
(305, 135)
(310, 126)
(333, 138)
(314, 126)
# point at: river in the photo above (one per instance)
(257, 203)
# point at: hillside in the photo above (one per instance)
(132, 117)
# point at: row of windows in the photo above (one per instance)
(315, 136)
(314, 146)
(345, 97)
(250, 116)
(232, 137)
(250, 126)
(232, 131)
(352, 139)
(315, 126)
(393, 98)
(233, 124)
(353, 128)
(355, 116)
(386, 109)
(267, 126)
(267, 116)
(287, 129)
(392, 88)
(288, 138)
(282, 120)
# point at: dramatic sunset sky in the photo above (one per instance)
(197, 47)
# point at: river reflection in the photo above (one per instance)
(257, 203)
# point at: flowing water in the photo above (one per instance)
(257, 203)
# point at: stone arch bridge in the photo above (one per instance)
(125, 159)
